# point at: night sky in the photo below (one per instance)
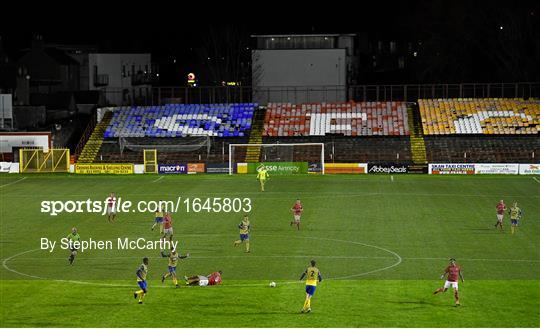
(455, 30)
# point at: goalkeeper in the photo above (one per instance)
(262, 175)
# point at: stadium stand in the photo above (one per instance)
(483, 149)
(348, 119)
(480, 116)
(178, 120)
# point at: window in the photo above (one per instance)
(123, 71)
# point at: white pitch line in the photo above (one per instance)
(536, 179)
(157, 180)
(13, 182)
(399, 260)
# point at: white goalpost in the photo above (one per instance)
(310, 153)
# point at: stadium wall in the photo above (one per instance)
(322, 70)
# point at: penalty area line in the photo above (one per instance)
(158, 179)
(536, 179)
(15, 182)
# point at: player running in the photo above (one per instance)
(111, 207)
(142, 271)
(313, 276)
(454, 272)
(244, 227)
(297, 210)
(515, 215)
(158, 220)
(501, 208)
(211, 279)
(167, 230)
(262, 176)
(173, 262)
(73, 239)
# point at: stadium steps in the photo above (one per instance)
(253, 153)
(92, 146)
(418, 146)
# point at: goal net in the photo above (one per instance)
(279, 158)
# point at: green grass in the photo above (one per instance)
(380, 244)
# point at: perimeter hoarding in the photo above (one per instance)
(496, 168)
(172, 168)
(280, 167)
(451, 168)
(104, 168)
(529, 169)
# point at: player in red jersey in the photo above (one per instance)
(454, 273)
(501, 208)
(211, 279)
(297, 210)
(167, 231)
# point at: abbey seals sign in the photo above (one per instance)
(387, 168)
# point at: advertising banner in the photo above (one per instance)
(314, 167)
(529, 169)
(172, 169)
(451, 168)
(104, 168)
(9, 167)
(194, 168)
(5, 167)
(280, 167)
(217, 168)
(345, 168)
(388, 168)
(496, 168)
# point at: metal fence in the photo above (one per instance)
(307, 94)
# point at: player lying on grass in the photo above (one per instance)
(501, 208)
(297, 210)
(158, 219)
(515, 215)
(173, 262)
(262, 176)
(453, 271)
(244, 227)
(211, 279)
(142, 271)
(313, 276)
(111, 207)
(73, 239)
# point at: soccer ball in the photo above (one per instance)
(272, 284)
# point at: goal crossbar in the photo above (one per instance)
(274, 144)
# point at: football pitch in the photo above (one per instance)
(381, 245)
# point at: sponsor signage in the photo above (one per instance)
(529, 169)
(172, 169)
(194, 168)
(217, 168)
(8, 141)
(5, 166)
(451, 168)
(496, 168)
(314, 167)
(280, 167)
(345, 168)
(388, 168)
(104, 168)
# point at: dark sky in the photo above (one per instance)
(173, 29)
